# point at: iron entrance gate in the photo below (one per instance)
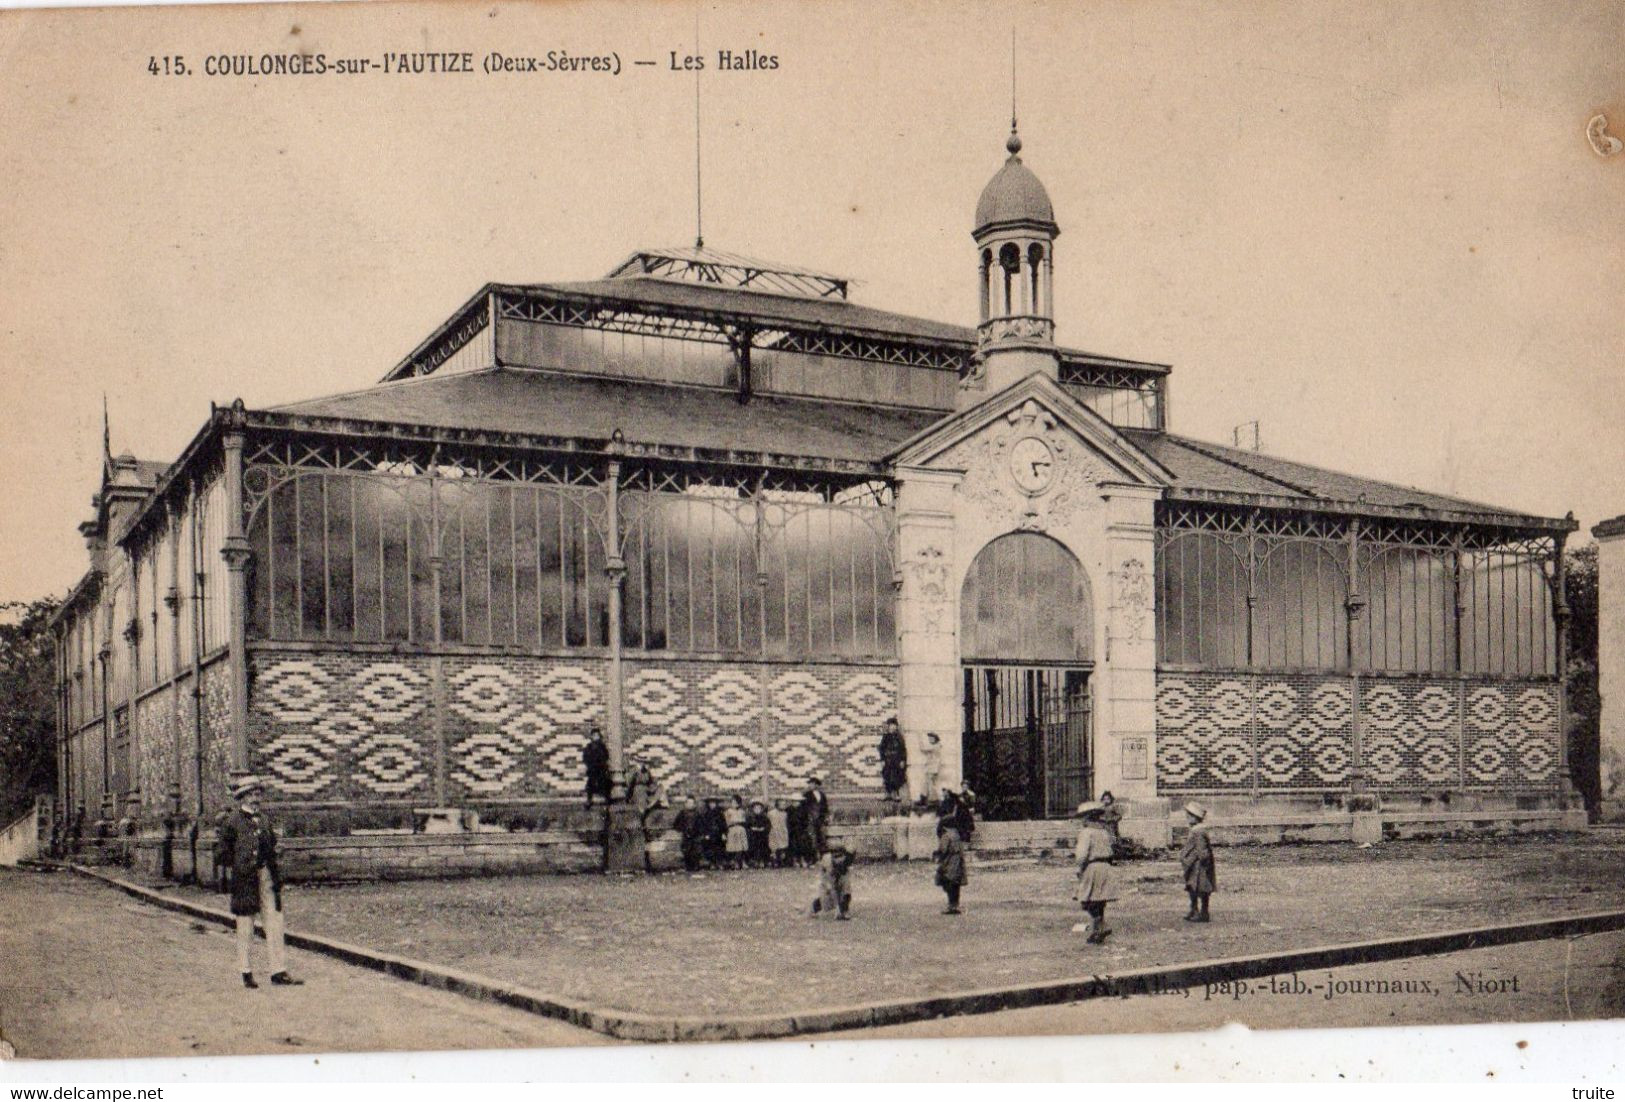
(1027, 739)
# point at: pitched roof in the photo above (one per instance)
(1199, 465)
(542, 403)
(557, 405)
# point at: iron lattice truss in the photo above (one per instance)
(1373, 531)
(270, 460)
(722, 327)
(702, 265)
(1111, 376)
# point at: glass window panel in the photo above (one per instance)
(369, 560)
(395, 524)
(500, 524)
(527, 617)
(283, 560)
(419, 553)
(550, 566)
(452, 572)
(476, 521)
(312, 556)
(340, 558)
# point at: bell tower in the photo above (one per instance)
(1015, 241)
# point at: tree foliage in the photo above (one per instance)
(1584, 702)
(27, 709)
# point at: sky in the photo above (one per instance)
(1377, 228)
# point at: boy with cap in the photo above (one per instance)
(1096, 885)
(248, 845)
(1197, 859)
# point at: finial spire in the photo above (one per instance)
(1013, 143)
(699, 206)
(107, 431)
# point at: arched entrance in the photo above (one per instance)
(1026, 647)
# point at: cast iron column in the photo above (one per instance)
(235, 552)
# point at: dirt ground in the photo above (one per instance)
(89, 973)
(740, 943)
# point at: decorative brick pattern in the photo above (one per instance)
(340, 727)
(1511, 732)
(155, 751)
(515, 726)
(216, 735)
(1238, 731)
(737, 727)
(344, 727)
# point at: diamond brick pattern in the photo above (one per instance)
(736, 727)
(1230, 732)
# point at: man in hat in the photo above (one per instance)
(1096, 885)
(595, 759)
(815, 809)
(1197, 859)
(249, 846)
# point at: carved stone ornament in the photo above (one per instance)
(928, 571)
(1027, 471)
(1133, 598)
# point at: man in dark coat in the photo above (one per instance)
(248, 845)
(595, 756)
(815, 806)
(688, 824)
(713, 832)
(893, 759)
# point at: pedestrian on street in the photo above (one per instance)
(778, 834)
(1201, 878)
(893, 759)
(834, 884)
(815, 805)
(1112, 816)
(687, 823)
(738, 840)
(930, 768)
(595, 756)
(256, 883)
(1096, 883)
(713, 832)
(951, 873)
(956, 808)
(757, 827)
(221, 873)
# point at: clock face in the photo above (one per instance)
(1032, 464)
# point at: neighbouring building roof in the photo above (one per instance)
(1612, 528)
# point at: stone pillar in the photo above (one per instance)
(1125, 735)
(928, 686)
(1610, 536)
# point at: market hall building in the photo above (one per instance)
(799, 516)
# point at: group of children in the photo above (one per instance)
(740, 836)
(1097, 885)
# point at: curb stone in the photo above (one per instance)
(631, 1026)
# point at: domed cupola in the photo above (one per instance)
(1015, 237)
(1014, 197)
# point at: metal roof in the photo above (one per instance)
(557, 405)
(530, 402)
(702, 265)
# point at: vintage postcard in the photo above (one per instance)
(582, 524)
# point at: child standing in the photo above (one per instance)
(778, 834)
(738, 842)
(756, 830)
(834, 883)
(1095, 885)
(930, 768)
(1197, 858)
(951, 875)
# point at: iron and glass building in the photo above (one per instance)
(737, 520)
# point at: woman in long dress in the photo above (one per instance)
(1096, 882)
(738, 841)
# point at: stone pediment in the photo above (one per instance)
(1033, 452)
